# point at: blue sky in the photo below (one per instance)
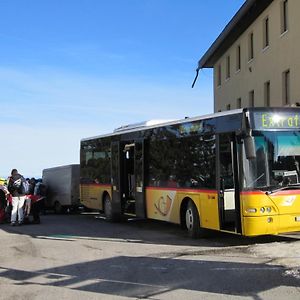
(71, 69)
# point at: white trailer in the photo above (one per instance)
(62, 187)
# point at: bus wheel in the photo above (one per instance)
(108, 208)
(192, 220)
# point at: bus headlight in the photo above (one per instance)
(267, 209)
(251, 210)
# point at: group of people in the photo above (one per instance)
(20, 198)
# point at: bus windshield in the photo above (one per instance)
(276, 163)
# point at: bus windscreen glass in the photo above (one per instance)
(277, 160)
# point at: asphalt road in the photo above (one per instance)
(85, 257)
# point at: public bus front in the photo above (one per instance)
(236, 171)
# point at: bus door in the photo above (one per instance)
(116, 178)
(229, 205)
(139, 162)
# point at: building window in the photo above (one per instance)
(286, 87)
(251, 46)
(238, 58)
(228, 107)
(284, 16)
(266, 33)
(239, 103)
(267, 94)
(251, 98)
(219, 73)
(228, 67)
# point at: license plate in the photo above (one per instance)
(297, 219)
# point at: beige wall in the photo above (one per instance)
(268, 64)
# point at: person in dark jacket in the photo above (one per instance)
(38, 201)
(16, 189)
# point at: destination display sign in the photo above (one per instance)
(276, 120)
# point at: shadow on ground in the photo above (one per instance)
(93, 226)
(148, 276)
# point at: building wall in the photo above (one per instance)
(268, 64)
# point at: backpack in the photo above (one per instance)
(25, 187)
(19, 185)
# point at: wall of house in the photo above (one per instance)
(268, 64)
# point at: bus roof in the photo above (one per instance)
(145, 125)
(257, 120)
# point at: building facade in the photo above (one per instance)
(256, 59)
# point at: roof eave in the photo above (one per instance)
(249, 11)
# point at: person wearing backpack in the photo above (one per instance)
(17, 188)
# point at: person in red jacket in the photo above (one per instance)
(3, 202)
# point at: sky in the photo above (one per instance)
(71, 69)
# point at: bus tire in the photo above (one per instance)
(192, 220)
(108, 208)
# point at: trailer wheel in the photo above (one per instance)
(57, 208)
(108, 208)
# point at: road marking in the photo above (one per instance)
(118, 267)
(158, 268)
(61, 276)
(67, 237)
(254, 269)
(98, 280)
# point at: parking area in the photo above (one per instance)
(82, 256)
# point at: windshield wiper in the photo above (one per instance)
(255, 180)
(294, 186)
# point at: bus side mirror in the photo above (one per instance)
(250, 147)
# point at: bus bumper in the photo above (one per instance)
(253, 226)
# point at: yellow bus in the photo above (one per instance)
(235, 171)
